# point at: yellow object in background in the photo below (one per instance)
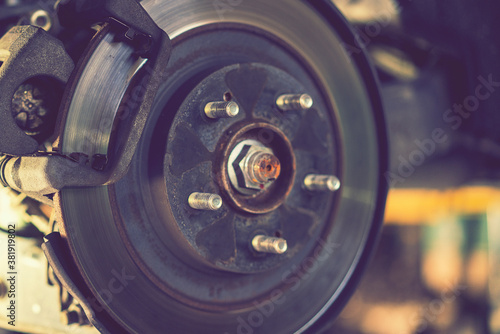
(460, 235)
(423, 206)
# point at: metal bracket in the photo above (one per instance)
(151, 42)
(42, 175)
(127, 16)
(26, 52)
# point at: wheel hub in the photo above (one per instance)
(253, 168)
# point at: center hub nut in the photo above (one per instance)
(255, 167)
(263, 168)
(252, 167)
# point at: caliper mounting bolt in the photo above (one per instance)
(30, 108)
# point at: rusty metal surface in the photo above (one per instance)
(194, 146)
(268, 199)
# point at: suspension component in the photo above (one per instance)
(27, 52)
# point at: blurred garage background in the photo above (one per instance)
(437, 267)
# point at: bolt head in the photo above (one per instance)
(215, 202)
(263, 167)
(255, 167)
(232, 109)
(306, 101)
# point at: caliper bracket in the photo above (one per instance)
(137, 27)
(26, 52)
(128, 18)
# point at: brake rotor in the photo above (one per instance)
(153, 260)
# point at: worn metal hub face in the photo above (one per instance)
(205, 255)
(247, 159)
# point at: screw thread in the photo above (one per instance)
(272, 245)
(316, 182)
(204, 201)
(222, 109)
(289, 102)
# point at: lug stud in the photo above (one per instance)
(222, 109)
(315, 182)
(205, 201)
(265, 244)
(294, 102)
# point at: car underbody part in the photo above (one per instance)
(214, 169)
(23, 68)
